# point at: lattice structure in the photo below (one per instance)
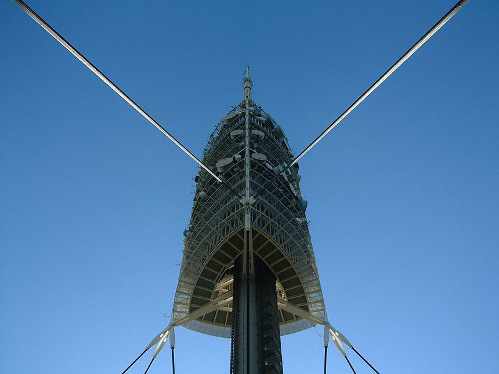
(214, 238)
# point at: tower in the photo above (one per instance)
(248, 244)
(248, 270)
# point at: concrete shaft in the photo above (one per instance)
(255, 343)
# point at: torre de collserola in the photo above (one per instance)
(248, 243)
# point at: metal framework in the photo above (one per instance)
(276, 221)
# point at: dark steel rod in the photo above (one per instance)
(350, 364)
(173, 360)
(134, 361)
(364, 359)
(59, 38)
(150, 363)
(325, 359)
(383, 77)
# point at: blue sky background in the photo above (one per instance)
(403, 197)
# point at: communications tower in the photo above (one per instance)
(249, 244)
(248, 269)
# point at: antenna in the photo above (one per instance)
(451, 13)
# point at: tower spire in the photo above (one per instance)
(247, 85)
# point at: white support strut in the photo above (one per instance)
(160, 339)
(451, 13)
(66, 44)
(338, 337)
(339, 340)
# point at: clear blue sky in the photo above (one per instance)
(403, 197)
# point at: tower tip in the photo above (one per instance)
(247, 84)
(247, 73)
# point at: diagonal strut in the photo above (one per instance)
(160, 339)
(338, 338)
(59, 38)
(451, 13)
